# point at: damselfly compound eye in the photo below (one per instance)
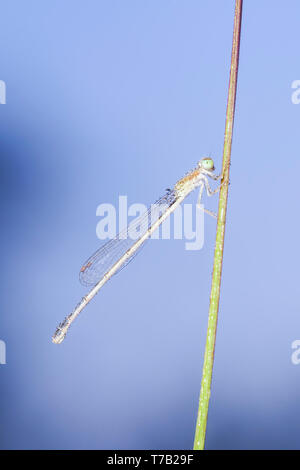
(207, 164)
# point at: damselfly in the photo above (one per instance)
(118, 252)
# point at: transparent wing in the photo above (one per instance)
(107, 255)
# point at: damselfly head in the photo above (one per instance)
(206, 163)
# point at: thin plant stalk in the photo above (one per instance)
(219, 246)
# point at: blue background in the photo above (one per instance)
(123, 97)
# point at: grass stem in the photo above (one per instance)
(219, 246)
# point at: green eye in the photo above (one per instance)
(208, 164)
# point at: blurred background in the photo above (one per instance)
(122, 98)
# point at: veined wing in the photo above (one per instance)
(106, 256)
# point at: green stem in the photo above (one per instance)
(218, 256)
